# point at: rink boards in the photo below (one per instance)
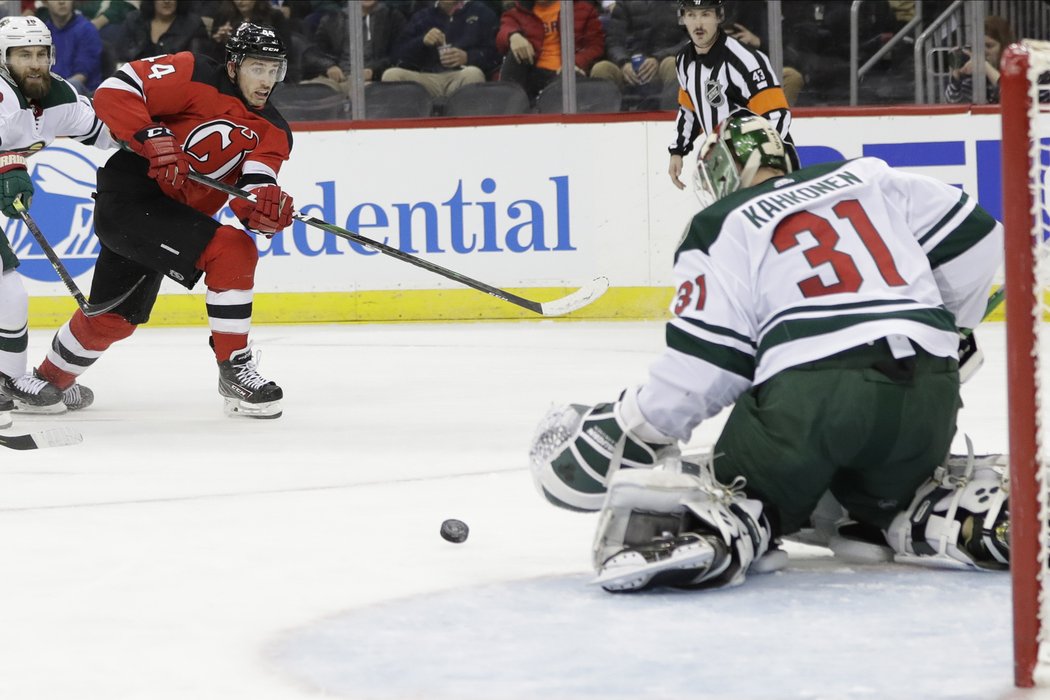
(537, 208)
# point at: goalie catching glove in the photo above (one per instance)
(270, 212)
(577, 449)
(14, 183)
(168, 163)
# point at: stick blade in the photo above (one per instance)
(583, 296)
(42, 439)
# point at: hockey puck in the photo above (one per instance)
(454, 530)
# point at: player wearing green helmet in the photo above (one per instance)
(824, 306)
(732, 155)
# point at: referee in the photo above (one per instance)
(717, 76)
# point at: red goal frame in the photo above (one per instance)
(1019, 214)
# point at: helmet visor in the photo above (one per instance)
(262, 66)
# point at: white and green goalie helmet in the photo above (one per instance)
(23, 31)
(732, 154)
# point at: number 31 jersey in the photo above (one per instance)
(830, 257)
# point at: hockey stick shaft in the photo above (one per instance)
(56, 262)
(557, 307)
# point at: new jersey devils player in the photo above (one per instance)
(176, 113)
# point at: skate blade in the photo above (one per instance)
(29, 409)
(696, 556)
(236, 408)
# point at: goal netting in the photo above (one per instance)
(1025, 98)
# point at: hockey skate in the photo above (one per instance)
(669, 560)
(246, 392)
(77, 397)
(31, 394)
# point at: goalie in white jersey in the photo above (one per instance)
(825, 306)
(36, 107)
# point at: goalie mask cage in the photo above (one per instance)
(1025, 69)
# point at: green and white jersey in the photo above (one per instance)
(804, 266)
(26, 128)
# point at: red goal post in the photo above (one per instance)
(1026, 218)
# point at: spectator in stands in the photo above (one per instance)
(382, 25)
(13, 8)
(77, 46)
(642, 38)
(446, 46)
(747, 22)
(997, 36)
(818, 33)
(411, 7)
(530, 41)
(227, 15)
(160, 27)
(107, 16)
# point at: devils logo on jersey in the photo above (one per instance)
(218, 147)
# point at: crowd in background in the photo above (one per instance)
(448, 44)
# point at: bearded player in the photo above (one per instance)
(36, 107)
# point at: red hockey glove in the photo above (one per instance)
(167, 161)
(272, 212)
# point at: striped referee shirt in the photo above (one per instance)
(712, 86)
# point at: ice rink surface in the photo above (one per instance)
(180, 554)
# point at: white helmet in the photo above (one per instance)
(23, 31)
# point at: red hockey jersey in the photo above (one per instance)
(192, 95)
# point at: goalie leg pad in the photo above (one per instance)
(959, 518)
(577, 449)
(669, 528)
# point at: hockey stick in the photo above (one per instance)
(52, 437)
(56, 262)
(578, 299)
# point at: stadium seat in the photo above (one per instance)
(483, 99)
(400, 100)
(669, 97)
(593, 96)
(307, 102)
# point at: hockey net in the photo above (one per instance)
(1025, 97)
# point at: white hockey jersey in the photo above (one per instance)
(807, 265)
(25, 128)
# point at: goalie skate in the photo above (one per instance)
(245, 391)
(667, 561)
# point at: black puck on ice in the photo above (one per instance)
(454, 530)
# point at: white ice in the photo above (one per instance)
(180, 554)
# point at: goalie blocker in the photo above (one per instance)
(665, 522)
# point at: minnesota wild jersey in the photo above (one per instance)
(26, 127)
(804, 266)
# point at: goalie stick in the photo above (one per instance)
(88, 308)
(557, 307)
(41, 439)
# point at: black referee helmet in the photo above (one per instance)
(719, 5)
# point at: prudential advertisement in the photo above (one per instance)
(535, 205)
